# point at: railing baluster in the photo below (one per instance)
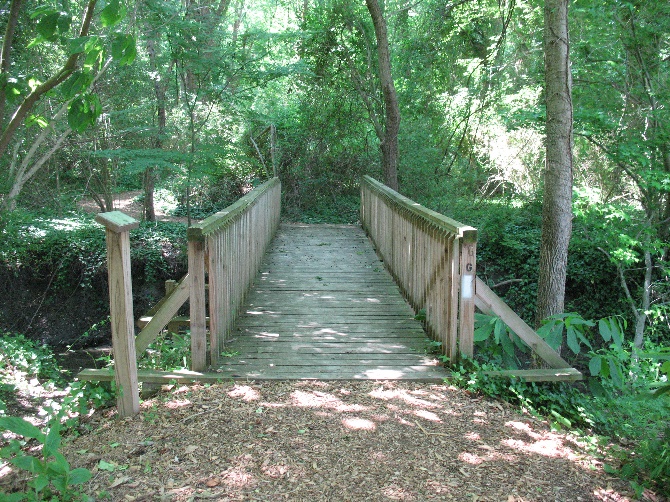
(431, 257)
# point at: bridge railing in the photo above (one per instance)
(227, 248)
(431, 257)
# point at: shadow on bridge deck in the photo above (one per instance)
(323, 306)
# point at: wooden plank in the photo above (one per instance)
(489, 303)
(178, 320)
(540, 375)
(163, 316)
(153, 376)
(320, 308)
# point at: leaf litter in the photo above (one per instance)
(325, 441)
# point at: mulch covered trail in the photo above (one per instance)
(313, 440)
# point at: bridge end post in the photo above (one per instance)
(468, 273)
(117, 226)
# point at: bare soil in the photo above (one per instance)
(314, 440)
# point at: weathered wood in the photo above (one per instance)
(428, 255)
(489, 303)
(466, 321)
(118, 228)
(153, 376)
(235, 241)
(169, 308)
(179, 320)
(196, 272)
(308, 330)
(540, 375)
(117, 222)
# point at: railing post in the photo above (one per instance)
(198, 315)
(118, 226)
(468, 267)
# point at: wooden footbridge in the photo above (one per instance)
(292, 301)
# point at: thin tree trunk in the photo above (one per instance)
(6, 56)
(557, 201)
(389, 142)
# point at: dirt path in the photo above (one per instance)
(125, 202)
(312, 441)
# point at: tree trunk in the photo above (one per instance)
(6, 56)
(389, 142)
(557, 201)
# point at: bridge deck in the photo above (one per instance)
(323, 306)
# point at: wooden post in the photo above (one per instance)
(198, 315)
(468, 267)
(118, 226)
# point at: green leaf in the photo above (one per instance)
(14, 497)
(59, 466)
(615, 373)
(605, 330)
(483, 332)
(124, 49)
(595, 364)
(106, 466)
(21, 427)
(47, 25)
(78, 45)
(83, 112)
(571, 338)
(36, 120)
(40, 482)
(507, 344)
(28, 463)
(498, 330)
(79, 476)
(617, 332)
(52, 442)
(77, 83)
(112, 14)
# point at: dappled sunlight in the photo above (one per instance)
(245, 393)
(545, 443)
(470, 458)
(428, 415)
(317, 399)
(382, 374)
(177, 403)
(548, 447)
(401, 395)
(359, 424)
(473, 436)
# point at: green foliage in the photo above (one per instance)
(170, 351)
(50, 474)
(496, 342)
(19, 354)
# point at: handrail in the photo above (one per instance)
(431, 257)
(228, 248)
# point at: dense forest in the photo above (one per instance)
(188, 104)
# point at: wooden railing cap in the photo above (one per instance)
(212, 223)
(117, 222)
(465, 232)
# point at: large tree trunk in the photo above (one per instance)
(389, 142)
(557, 202)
